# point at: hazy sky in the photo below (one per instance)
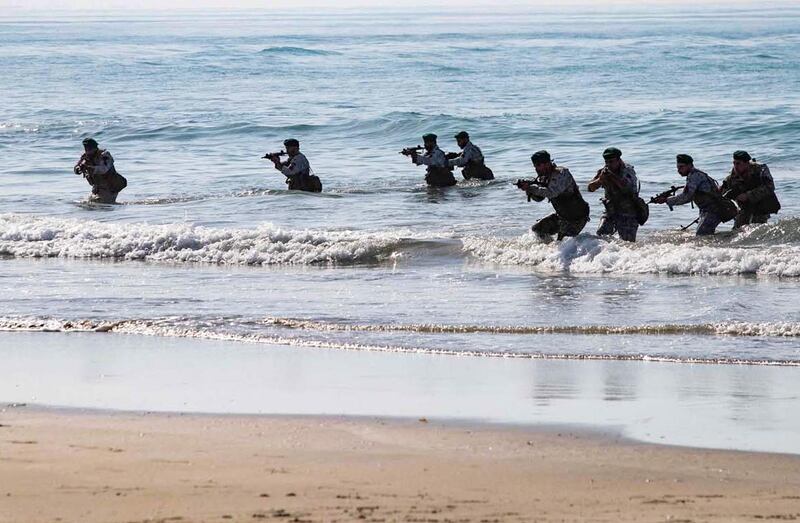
(283, 4)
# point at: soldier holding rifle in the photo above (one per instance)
(557, 185)
(703, 191)
(296, 168)
(439, 173)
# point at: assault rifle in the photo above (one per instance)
(273, 156)
(524, 184)
(83, 168)
(408, 151)
(666, 194)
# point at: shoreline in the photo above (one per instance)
(122, 467)
(742, 407)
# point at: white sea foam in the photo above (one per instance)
(186, 328)
(589, 254)
(36, 237)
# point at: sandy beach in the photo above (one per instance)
(115, 467)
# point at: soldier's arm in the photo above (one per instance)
(597, 181)
(559, 183)
(767, 187)
(687, 194)
(461, 160)
(290, 169)
(424, 160)
(77, 168)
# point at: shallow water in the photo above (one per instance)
(208, 244)
(716, 406)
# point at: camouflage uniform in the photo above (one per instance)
(439, 173)
(98, 169)
(699, 188)
(472, 161)
(761, 178)
(620, 215)
(560, 184)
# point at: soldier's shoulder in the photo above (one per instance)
(629, 168)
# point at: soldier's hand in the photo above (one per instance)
(660, 199)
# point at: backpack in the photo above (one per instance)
(116, 182)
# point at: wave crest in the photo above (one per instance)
(219, 330)
(33, 237)
(757, 251)
(296, 51)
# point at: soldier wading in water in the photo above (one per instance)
(296, 169)
(97, 167)
(621, 200)
(439, 173)
(470, 159)
(703, 191)
(557, 185)
(751, 186)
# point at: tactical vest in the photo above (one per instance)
(706, 200)
(571, 206)
(619, 202)
(111, 181)
(308, 183)
(476, 169)
(440, 176)
(769, 204)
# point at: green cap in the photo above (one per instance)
(540, 157)
(742, 155)
(291, 142)
(90, 142)
(430, 137)
(462, 134)
(612, 152)
(685, 159)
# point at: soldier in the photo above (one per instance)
(621, 186)
(296, 169)
(97, 167)
(750, 184)
(470, 159)
(439, 173)
(557, 185)
(702, 190)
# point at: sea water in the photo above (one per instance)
(207, 243)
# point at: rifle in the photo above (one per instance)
(273, 156)
(524, 184)
(408, 151)
(666, 194)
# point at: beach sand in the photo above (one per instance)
(91, 466)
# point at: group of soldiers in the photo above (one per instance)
(747, 195)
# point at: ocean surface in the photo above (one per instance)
(207, 243)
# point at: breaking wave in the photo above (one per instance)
(226, 330)
(764, 250)
(769, 250)
(35, 237)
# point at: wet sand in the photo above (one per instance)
(58, 465)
